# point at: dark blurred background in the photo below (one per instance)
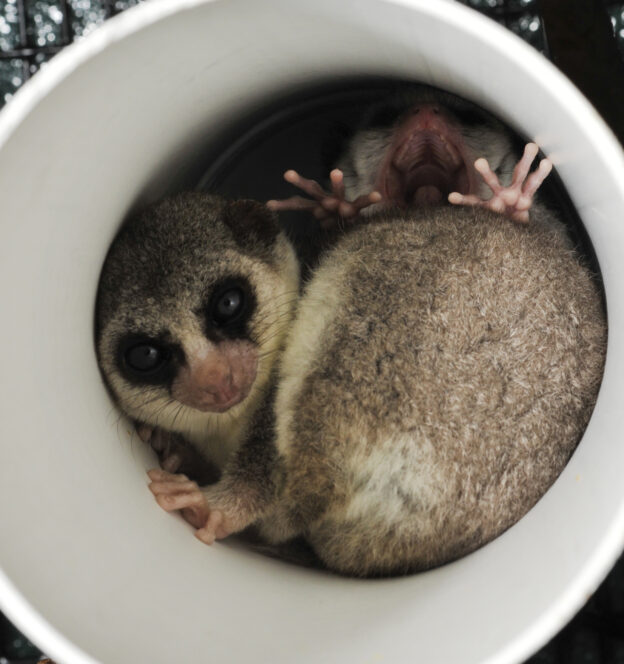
(584, 38)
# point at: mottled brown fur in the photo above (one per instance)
(440, 370)
(446, 393)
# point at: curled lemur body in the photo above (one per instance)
(419, 397)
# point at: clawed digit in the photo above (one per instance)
(516, 199)
(325, 206)
(213, 528)
(201, 508)
(177, 492)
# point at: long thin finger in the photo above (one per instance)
(180, 501)
(208, 533)
(455, 198)
(292, 203)
(534, 181)
(336, 178)
(171, 487)
(489, 176)
(365, 200)
(311, 187)
(172, 463)
(157, 474)
(524, 165)
(205, 535)
(196, 516)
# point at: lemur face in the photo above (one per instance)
(195, 297)
(420, 145)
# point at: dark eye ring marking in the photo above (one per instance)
(384, 116)
(145, 357)
(227, 305)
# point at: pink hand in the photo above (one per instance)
(177, 492)
(325, 206)
(515, 200)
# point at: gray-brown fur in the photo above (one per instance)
(440, 369)
(155, 282)
(447, 390)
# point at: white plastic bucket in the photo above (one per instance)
(92, 569)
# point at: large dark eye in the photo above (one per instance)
(468, 115)
(146, 357)
(228, 305)
(383, 117)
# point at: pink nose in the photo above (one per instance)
(427, 115)
(220, 392)
(216, 378)
(213, 376)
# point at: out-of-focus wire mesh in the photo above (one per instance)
(33, 31)
(520, 16)
(616, 11)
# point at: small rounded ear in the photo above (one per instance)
(251, 223)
